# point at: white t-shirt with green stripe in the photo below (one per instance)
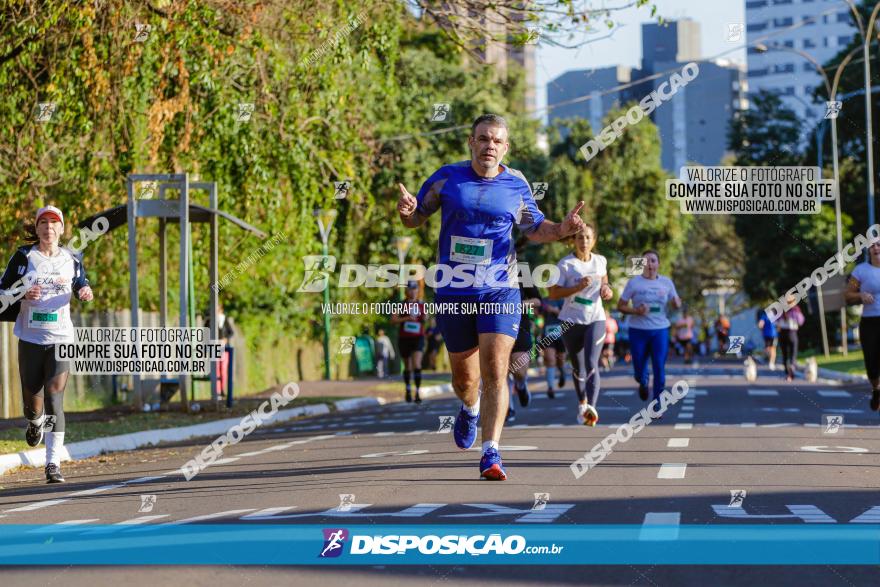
(656, 293)
(585, 306)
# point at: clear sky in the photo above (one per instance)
(624, 46)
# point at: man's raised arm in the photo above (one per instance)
(406, 207)
(548, 232)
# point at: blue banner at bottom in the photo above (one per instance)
(274, 544)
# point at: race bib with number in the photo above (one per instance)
(412, 327)
(477, 251)
(43, 319)
(655, 308)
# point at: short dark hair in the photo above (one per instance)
(653, 252)
(491, 119)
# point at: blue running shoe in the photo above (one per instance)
(465, 429)
(491, 467)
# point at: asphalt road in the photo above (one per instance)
(768, 438)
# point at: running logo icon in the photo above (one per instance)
(342, 189)
(346, 500)
(346, 344)
(318, 269)
(333, 542)
(541, 500)
(45, 111)
(441, 111)
(446, 423)
(832, 109)
(244, 112)
(147, 503)
(141, 32)
(736, 344)
(637, 266)
(735, 31)
(833, 423)
(539, 189)
(737, 497)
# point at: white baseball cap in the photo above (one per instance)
(50, 210)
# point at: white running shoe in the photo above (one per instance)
(587, 415)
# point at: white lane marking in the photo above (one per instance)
(141, 520)
(660, 526)
(686, 415)
(712, 424)
(60, 525)
(763, 393)
(264, 451)
(224, 461)
(778, 425)
(850, 449)
(687, 408)
(672, 471)
(618, 393)
(36, 506)
(384, 433)
(398, 453)
(267, 513)
(343, 433)
(96, 490)
(834, 393)
(208, 517)
(132, 522)
(144, 479)
(748, 425)
(678, 443)
(683, 426)
(503, 448)
(398, 421)
(416, 432)
(872, 516)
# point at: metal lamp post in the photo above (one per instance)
(869, 145)
(831, 88)
(325, 220)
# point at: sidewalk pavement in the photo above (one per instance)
(359, 394)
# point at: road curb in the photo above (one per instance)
(842, 377)
(90, 448)
(433, 390)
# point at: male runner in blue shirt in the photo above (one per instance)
(480, 201)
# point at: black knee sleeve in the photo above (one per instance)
(417, 377)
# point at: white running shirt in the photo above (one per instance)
(585, 306)
(47, 320)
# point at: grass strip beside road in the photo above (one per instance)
(12, 439)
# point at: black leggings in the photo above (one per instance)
(583, 348)
(788, 340)
(869, 334)
(42, 377)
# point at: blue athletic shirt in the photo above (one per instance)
(476, 228)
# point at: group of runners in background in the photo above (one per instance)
(481, 201)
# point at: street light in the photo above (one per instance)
(869, 146)
(831, 88)
(325, 220)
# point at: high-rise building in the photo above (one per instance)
(693, 125)
(825, 29)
